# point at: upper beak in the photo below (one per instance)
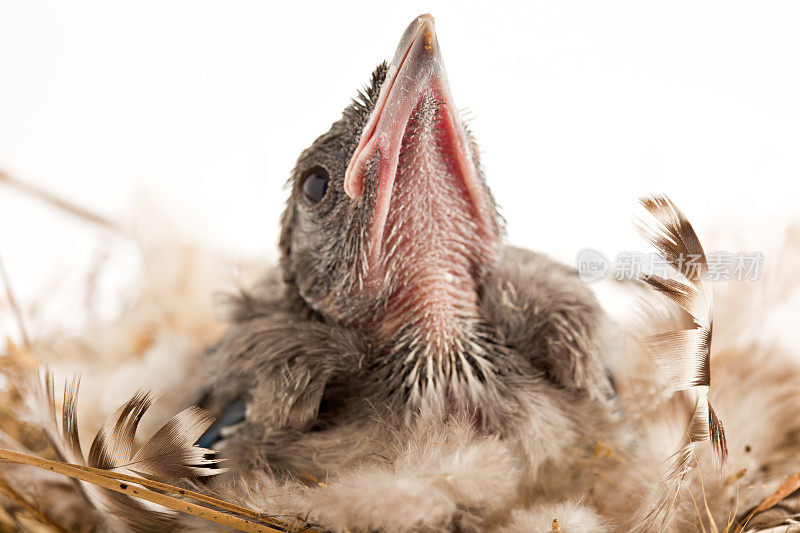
(417, 70)
(417, 64)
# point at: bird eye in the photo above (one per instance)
(315, 184)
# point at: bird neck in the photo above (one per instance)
(452, 373)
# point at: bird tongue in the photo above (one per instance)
(432, 225)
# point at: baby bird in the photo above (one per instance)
(395, 297)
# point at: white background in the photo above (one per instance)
(580, 107)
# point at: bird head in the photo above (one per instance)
(390, 227)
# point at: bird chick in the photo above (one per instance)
(396, 299)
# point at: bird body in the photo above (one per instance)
(320, 398)
(396, 296)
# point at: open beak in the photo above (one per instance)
(416, 72)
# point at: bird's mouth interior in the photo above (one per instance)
(432, 221)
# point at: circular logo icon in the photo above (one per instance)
(592, 265)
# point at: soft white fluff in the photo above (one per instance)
(564, 517)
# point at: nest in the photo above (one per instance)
(172, 311)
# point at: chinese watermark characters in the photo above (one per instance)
(592, 266)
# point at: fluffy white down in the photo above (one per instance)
(564, 517)
(446, 472)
